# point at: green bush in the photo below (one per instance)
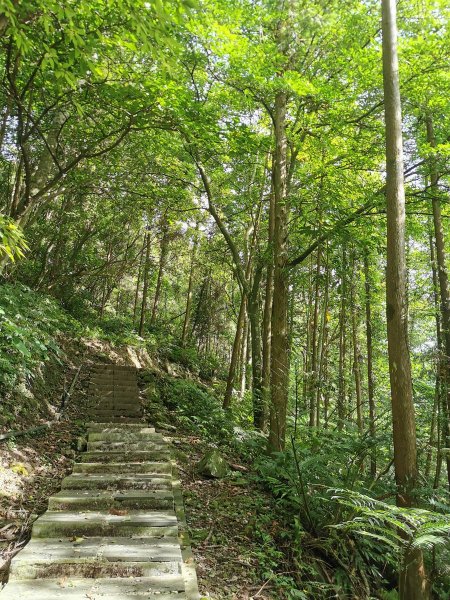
(186, 357)
(196, 408)
(29, 326)
(205, 365)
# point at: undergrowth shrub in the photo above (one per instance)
(356, 536)
(206, 365)
(116, 329)
(29, 327)
(196, 408)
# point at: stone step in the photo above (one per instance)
(116, 428)
(115, 419)
(106, 548)
(169, 587)
(126, 445)
(92, 569)
(100, 401)
(113, 379)
(149, 524)
(116, 436)
(108, 401)
(126, 405)
(142, 481)
(119, 468)
(124, 395)
(105, 386)
(116, 392)
(117, 406)
(112, 390)
(113, 368)
(131, 456)
(117, 385)
(96, 413)
(98, 410)
(103, 405)
(101, 499)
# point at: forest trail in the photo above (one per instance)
(115, 529)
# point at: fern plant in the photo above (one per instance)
(401, 529)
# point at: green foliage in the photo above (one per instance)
(299, 478)
(399, 528)
(29, 327)
(206, 365)
(12, 240)
(115, 328)
(196, 408)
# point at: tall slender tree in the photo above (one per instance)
(412, 579)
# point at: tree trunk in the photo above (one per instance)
(243, 358)
(280, 337)
(234, 355)
(370, 380)
(444, 292)
(162, 263)
(323, 342)
(267, 316)
(313, 375)
(187, 314)
(412, 579)
(342, 393)
(435, 421)
(138, 281)
(145, 288)
(36, 180)
(259, 415)
(356, 354)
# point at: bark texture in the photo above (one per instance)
(412, 579)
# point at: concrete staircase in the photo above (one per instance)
(115, 530)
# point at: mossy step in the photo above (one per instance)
(140, 481)
(124, 399)
(96, 413)
(110, 405)
(116, 405)
(114, 419)
(131, 456)
(170, 587)
(127, 385)
(114, 368)
(126, 405)
(106, 548)
(115, 428)
(108, 446)
(148, 524)
(116, 391)
(101, 499)
(119, 468)
(93, 568)
(113, 390)
(114, 378)
(115, 436)
(95, 389)
(124, 395)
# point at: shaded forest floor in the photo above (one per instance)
(224, 519)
